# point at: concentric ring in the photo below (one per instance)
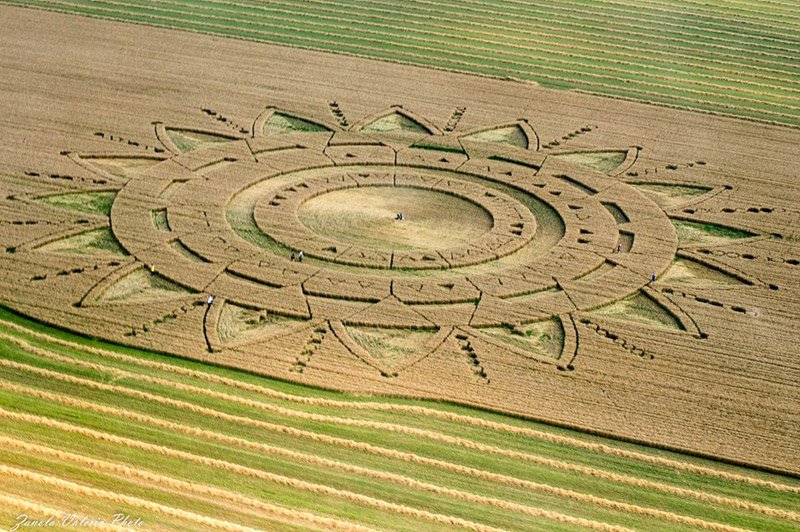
(513, 226)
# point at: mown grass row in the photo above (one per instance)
(90, 425)
(746, 9)
(518, 54)
(738, 61)
(532, 34)
(148, 13)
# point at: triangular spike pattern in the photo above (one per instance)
(602, 161)
(687, 272)
(390, 312)
(88, 202)
(187, 140)
(237, 323)
(509, 135)
(141, 285)
(280, 123)
(448, 144)
(90, 243)
(640, 308)
(697, 233)
(393, 348)
(671, 196)
(123, 167)
(395, 122)
(544, 338)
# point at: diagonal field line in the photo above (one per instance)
(83, 490)
(383, 452)
(43, 512)
(392, 477)
(255, 473)
(370, 473)
(271, 511)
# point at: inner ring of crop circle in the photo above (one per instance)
(508, 225)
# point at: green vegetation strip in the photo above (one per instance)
(177, 439)
(738, 59)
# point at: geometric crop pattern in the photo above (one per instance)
(547, 241)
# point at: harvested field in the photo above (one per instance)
(618, 268)
(93, 428)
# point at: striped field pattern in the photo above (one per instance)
(739, 58)
(96, 429)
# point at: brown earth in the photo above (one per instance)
(703, 359)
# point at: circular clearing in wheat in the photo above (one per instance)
(368, 217)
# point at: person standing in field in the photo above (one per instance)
(291, 257)
(300, 256)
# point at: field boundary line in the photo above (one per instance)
(586, 28)
(460, 418)
(292, 515)
(410, 482)
(501, 56)
(333, 440)
(689, 108)
(525, 34)
(335, 420)
(380, 475)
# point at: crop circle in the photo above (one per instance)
(495, 237)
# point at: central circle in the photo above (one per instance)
(366, 216)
